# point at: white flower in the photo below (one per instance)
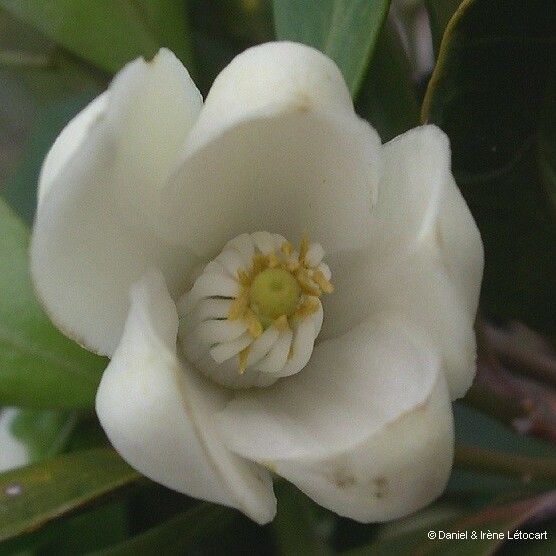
(152, 192)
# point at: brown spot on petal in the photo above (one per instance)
(379, 487)
(342, 478)
(303, 101)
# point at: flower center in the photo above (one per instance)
(259, 302)
(274, 292)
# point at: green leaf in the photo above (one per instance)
(486, 93)
(537, 470)
(175, 536)
(39, 366)
(473, 428)
(107, 33)
(477, 429)
(44, 432)
(386, 98)
(47, 433)
(167, 19)
(34, 496)
(20, 189)
(345, 30)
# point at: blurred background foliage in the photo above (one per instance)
(484, 71)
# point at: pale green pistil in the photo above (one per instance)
(273, 293)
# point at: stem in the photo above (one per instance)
(520, 355)
(522, 403)
(503, 463)
(526, 413)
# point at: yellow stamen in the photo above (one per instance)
(254, 326)
(243, 355)
(281, 323)
(306, 283)
(323, 283)
(286, 248)
(303, 248)
(273, 261)
(260, 262)
(291, 265)
(243, 278)
(239, 306)
(307, 307)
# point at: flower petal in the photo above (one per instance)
(416, 169)
(277, 147)
(365, 429)
(98, 200)
(419, 204)
(418, 286)
(68, 143)
(460, 246)
(393, 473)
(159, 414)
(427, 258)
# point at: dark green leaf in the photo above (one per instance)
(39, 366)
(248, 22)
(345, 30)
(440, 13)
(529, 548)
(295, 524)
(486, 92)
(222, 30)
(107, 33)
(33, 496)
(547, 143)
(386, 98)
(91, 530)
(216, 54)
(86, 434)
(176, 535)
